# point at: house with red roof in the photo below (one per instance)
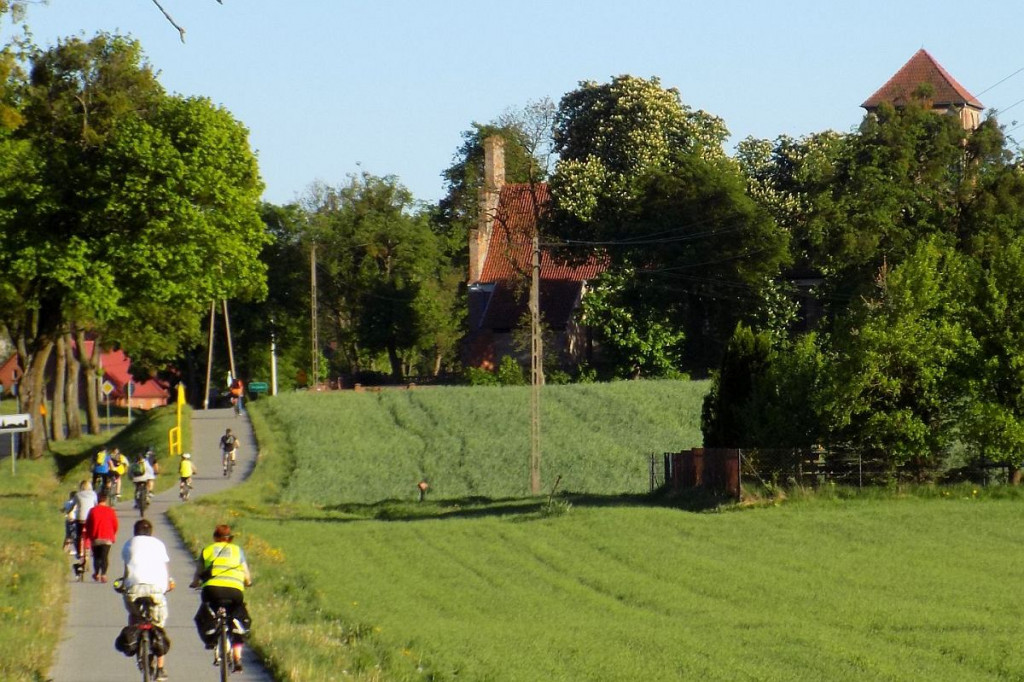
(500, 268)
(116, 366)
(946, 95)
(145, 395)
(10, 373)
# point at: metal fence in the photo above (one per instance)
(727, 470)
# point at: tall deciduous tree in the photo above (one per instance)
(131, 210)
(897, 392)
(642, 179)
(378, 254)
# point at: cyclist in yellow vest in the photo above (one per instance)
(186, 470)
(118, 468)
(223, 573)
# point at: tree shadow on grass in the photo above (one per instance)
(515, 509)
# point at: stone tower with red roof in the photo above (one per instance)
(500, 261)
(946, 95)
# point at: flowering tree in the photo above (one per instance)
(642, 179)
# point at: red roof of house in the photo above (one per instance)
(922, 69)
(10, 372)
(116, 370)
(510, 253)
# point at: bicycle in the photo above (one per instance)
(185, 489)
(229, 463)
(80, 565)
(145, 658)
(222, 650)
(141, 497)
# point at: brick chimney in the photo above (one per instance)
(494, 180)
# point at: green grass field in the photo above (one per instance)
(850, 586)
(365, 447)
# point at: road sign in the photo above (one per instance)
(258, 386)
(107, 387)
(15, 423)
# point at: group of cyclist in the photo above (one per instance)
(221, 573)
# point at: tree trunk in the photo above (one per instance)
(1015, 475)
(396, 362)
(33, 393)
(59, 387)
(90, 363)
(71, 402)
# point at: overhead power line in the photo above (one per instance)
(1000, 82)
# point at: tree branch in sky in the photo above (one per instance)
(181, 30)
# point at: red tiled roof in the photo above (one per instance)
(116, 366)
(510, 252)
(922, 68)
(10, 372)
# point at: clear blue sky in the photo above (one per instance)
(332, 87)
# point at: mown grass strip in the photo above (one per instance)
(31, 596)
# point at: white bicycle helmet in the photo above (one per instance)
(185, 455)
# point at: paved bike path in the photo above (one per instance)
(95, 613)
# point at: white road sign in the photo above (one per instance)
(15, 423)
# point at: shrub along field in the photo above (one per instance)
(876, 586)
(365, 447)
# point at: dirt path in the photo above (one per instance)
(95, 613)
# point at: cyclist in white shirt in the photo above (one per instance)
(146, 575)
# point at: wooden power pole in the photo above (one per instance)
(536, 366)
(313, 333)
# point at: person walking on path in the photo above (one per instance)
(85, 500)
(146, 574)
(101, 530)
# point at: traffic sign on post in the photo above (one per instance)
(15, 423)
(107, 387)
(258, 386)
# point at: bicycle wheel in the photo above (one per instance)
(141, 499)
(224, 646)
(145, 664)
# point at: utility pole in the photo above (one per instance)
(227, 329)
(273, 359)
(313, 333)
(536, 365)
(209, 355)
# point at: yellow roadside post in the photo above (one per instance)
(174, 435)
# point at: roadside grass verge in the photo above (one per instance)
(34, 573)
(32, 565)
